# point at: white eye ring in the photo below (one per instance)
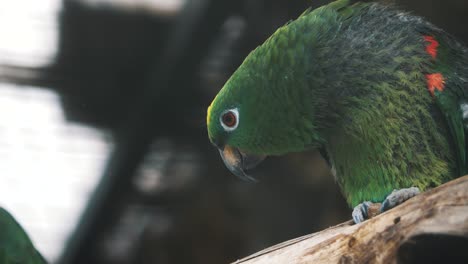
(229, 119)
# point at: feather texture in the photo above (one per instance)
(351, 78)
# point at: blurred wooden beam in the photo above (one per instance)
(430, 227)
(24, 75)
(190, 35)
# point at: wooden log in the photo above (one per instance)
(429, 228)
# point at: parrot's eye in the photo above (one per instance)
(230, 119)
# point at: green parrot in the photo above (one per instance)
(15, 245)
(382, 94)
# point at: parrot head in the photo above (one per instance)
(255, 114)
(234, 130)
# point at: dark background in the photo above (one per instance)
(147, 78)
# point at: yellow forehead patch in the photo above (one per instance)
(208, 115)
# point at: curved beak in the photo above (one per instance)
(238, 162)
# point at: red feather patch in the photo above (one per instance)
(435, 81)
(432, 45)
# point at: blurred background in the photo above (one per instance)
(104, 156)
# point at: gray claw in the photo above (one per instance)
(360, 212)
(397, 197)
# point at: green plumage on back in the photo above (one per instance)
(15, 245)
(381, 93)
(450, 60)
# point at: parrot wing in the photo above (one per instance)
(448, 85)
(453, 114)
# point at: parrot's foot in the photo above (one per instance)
(368, 210)
(361, 212)
(397, 197)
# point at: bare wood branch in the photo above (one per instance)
(442, 211)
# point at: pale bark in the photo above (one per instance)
(436, 219)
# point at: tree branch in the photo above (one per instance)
(429, 227)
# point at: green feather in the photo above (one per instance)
(449, 64)
(15, 245)
(349, 78)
